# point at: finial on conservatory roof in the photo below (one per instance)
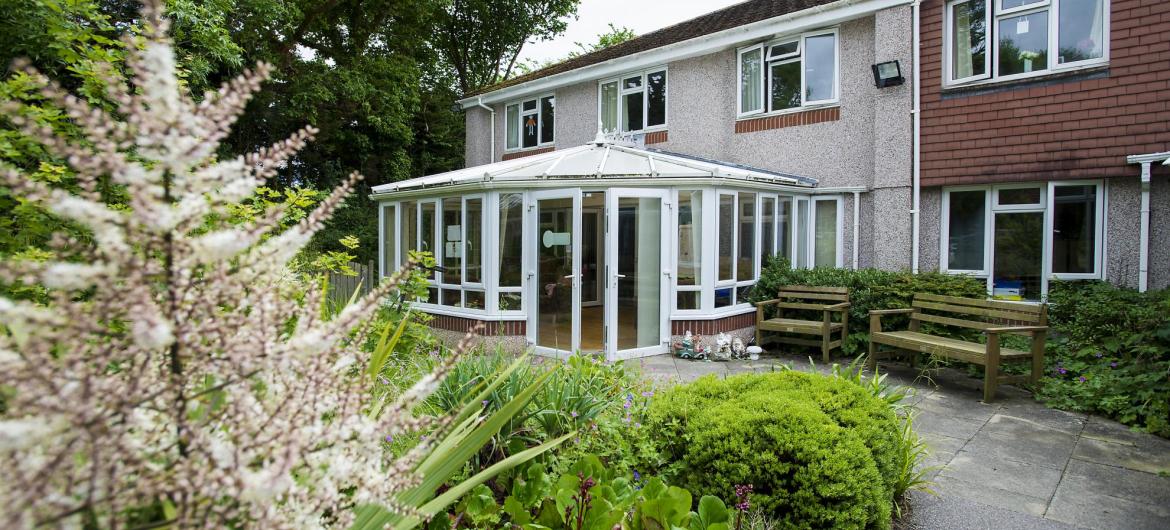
(616, 137)
(601, 138)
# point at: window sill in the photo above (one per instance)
(991, 86)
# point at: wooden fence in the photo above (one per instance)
(342, 287)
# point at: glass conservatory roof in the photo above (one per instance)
(600, 159)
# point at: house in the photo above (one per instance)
(617, 200)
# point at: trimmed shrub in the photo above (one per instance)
(869, 289)
(818, 450)
(1110, 353)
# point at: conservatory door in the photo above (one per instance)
(554, 323)
(638, 271)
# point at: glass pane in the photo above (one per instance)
(782, 49)
(389, 241)
(632, 112)
(473, 299)
(656, 98)
(726, 235)
(969, 39)
(591, 255)
(690, 237)
(513, 126)
(784, 228)
(632, 82)
(409, 228)
(547, 110)
(1019, 238)
(1009, 4)
(1019, 196)
(742, 293)
(452, 297)
(427, 228)
(1023, 43)
(609, 106)
(746, 267)
(688, 299)
(511, 239)
(785, 85)
(1074, 218)
(724, 297)
(802, 233)
(965, 227)
(452, 241)
(528, 132)
(432, 295)
(639, 312)
(825, 249)
(1081, 30)
(820, 67)
(474, 244)
(554, 258)
(767, 228)
(510, 301)
(750, 81)
(530, 105)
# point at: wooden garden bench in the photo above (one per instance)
(993, 318)
(825, 300)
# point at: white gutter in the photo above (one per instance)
(1144, 229)
(856, 224)
(812, 18)
(479, 103)
(916, 201)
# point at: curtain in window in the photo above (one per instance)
(609, 106)
(751, 81)
(512, 125)
(825, 236)
(962, 42)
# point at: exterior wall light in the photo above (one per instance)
(887, 74)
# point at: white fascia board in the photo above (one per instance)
(1150, 158)
(799, 21)
(589, 184)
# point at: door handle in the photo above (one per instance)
(619, 275)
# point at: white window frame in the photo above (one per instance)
(492, 254)
(673, 226)
(622, 91)
(388, 209)
(733, 282)
(1098, 229)
(521, 113)
(994, 13)
(945, 231)
(839, 232)
(765, 73)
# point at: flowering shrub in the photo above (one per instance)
(818, 451)
(1110, 353)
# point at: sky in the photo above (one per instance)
(642, 16)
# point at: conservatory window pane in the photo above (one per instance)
(690, 237)
(801, 233)
(767, 229)
(474, 245)
(1023, 43)
(750, 81)
(784, 228)
(746, 269)
(724, 297)
(726, 235)
(968, 39)
(409, 227)
(427, 228)
(452, 241)
(1074, 232)
(510, 301)
(512, 125)
(656, 98)
(825, 250)
(688, 299)
(609, 106)
(389, 241)
(511, 239)
(820, 68)
(473, 299)
(966, 224)
(632, 112)
(1081, 30)
(547, 118)
(452, 297)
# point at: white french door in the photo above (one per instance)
(638, 272)
(554, 270)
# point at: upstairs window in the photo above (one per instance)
(789, 73)
(529, 123)
(1008, 39)
(633, 102)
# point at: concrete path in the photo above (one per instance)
(1011, 464)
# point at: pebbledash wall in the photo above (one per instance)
(863, 142)
(1080, 125)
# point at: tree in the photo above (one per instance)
(482, 39)
(615, 35)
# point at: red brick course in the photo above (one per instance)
(793, 119)
(713, 327)
(491, 328)
(656, 137)
(1047, 129)
(521, 154)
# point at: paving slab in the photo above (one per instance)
(952, 512)
(1022, 478)
(1101, 496)
(1040, 447)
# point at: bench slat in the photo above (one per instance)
(973, 324)
(1013, 316)
(813, 296)
(815, 289)
(799, 305)
(944, 346)
(997, 304)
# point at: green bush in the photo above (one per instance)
(819, 450)
(869, 289)
(1110, 353)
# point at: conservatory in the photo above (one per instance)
(605, 248)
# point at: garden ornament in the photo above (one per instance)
(722, 348)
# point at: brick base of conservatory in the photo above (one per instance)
(713, 326)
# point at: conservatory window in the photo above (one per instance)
(796, 72)
(690, 249)
(511, 251)
(1025, 37)
(461, 280)
(530, 123)
(767, 228)
(426, 243)
(737, 247)
(389, 240)
(826, 236)
(784, 227)
(799, 228)
(633, 102)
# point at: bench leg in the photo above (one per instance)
(991, 369)
(825, 345)
(1038, 341)
(871, 359)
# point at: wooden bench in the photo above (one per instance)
(991, 317)
(823, 300)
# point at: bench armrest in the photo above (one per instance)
(890, 311)
(838, 307)
(1014, 329)
(768, 302)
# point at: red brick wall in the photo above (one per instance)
(491, 328)
(792, 119)
(713, 327)
(521, 154)
(1045, 129)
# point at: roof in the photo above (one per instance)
(714, 22)
(599, 159)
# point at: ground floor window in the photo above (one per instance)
(1019, 236)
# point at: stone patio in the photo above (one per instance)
(1011, 464)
